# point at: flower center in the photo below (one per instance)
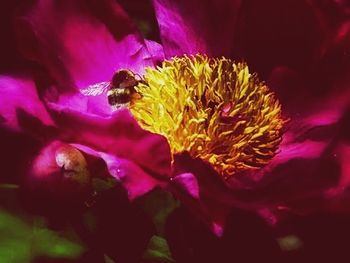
(214, 109)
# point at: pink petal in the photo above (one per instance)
(61, 171)
(342, 153)
(156, 50)
(188, 183)
(190, 27)
(81, 42)
(118, 134)
(130, 175)
(19, 100)
(93, 105)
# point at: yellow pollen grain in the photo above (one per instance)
(214, 109)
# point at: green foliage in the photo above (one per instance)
(21, 241)
(158, 251)
(102, 184)
(158, 204)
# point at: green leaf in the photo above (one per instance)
(102, 184)
(159, 205)
(21, 241)
(158, 250)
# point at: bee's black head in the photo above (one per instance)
(122, 76)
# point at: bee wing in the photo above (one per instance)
(96, 89)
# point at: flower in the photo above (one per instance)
(212, 108)
(293, 72)
(271, 178)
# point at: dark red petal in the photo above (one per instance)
(190, 27)
(81, 42)
(272, 33)
(201, 189)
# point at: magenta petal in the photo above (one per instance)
(130, 175)
(188, 183)
(133, 177)
(93, 105)
(81, 42)
(19, 97)
(45, 164)
(343, 155)
(190, 27)
(118, 134)
(59, 171)
(62, 169)
(156, 50)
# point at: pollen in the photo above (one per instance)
(214, 109)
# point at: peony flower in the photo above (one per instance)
(266, 147)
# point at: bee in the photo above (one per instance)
(120, 90)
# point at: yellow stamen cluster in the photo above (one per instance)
(214, 109)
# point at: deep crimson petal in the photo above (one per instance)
(81, 42)
(199, 187)
(190, 27)
(211, 202)
(271, 33)
(19, 100)
(208, 210)
(342, 152)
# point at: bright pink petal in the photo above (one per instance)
(20, 104)
(93, 105)
(81, 42)
(156, 50)
(190, 27)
